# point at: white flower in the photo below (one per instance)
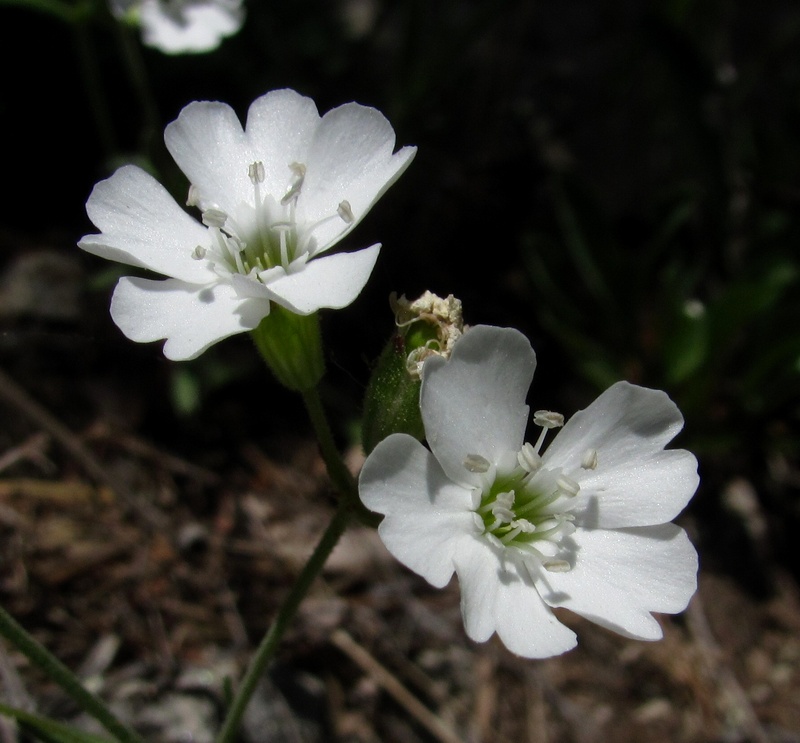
(582, 525)
(273, 198)
(181, 26)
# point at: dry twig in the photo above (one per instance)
(389, 683)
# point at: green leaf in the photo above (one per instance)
(47, 730)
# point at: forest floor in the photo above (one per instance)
(152, 575)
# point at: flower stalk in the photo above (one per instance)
(266, 650)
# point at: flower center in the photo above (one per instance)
(527, 508)
(263, 240)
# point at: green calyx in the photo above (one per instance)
(391, 403)
(291, 345)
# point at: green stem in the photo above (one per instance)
(286, 613)
(349, 503)
(342, 480)
(58, 672)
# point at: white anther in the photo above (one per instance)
(193, 197)
(567, 486)
(524, 526)
(299, 170)
(476, 463)
(255, 172)
(503, 515)
(548, 419)
(528, 459)
(557, 566)
(478, 521)
(589, 461)
(345, 211)
(505, 499)
(299, 174)
(199, 253)
(213, 217)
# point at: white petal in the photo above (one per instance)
(350, 160)
(201, 27)
(141, 225)
(209, 145)
(495, 597)
(475, 402)
(426, 514)
(636, 482)
(620, 576)
(189, 316)
(280, 128)
(332, 281)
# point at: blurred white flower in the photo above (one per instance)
(182, 26)
(582, 525)
(273, 198)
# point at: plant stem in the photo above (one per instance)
(286, 613)
(58, 672)
(342, 480)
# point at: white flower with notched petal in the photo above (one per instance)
(182, 26)
(273, 198)
(582, 525)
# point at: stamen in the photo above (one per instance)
(528, 458)
(557, 566)
(476, 463)
(193, 197)
(548, 419)
(284, 250)
(214, 217)
(299, 171)
(567, 486)
(502, 516)
(524, 526)
(199, 253)
(255, 172)
(589, 461)
(346, 212)
(517, 527)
